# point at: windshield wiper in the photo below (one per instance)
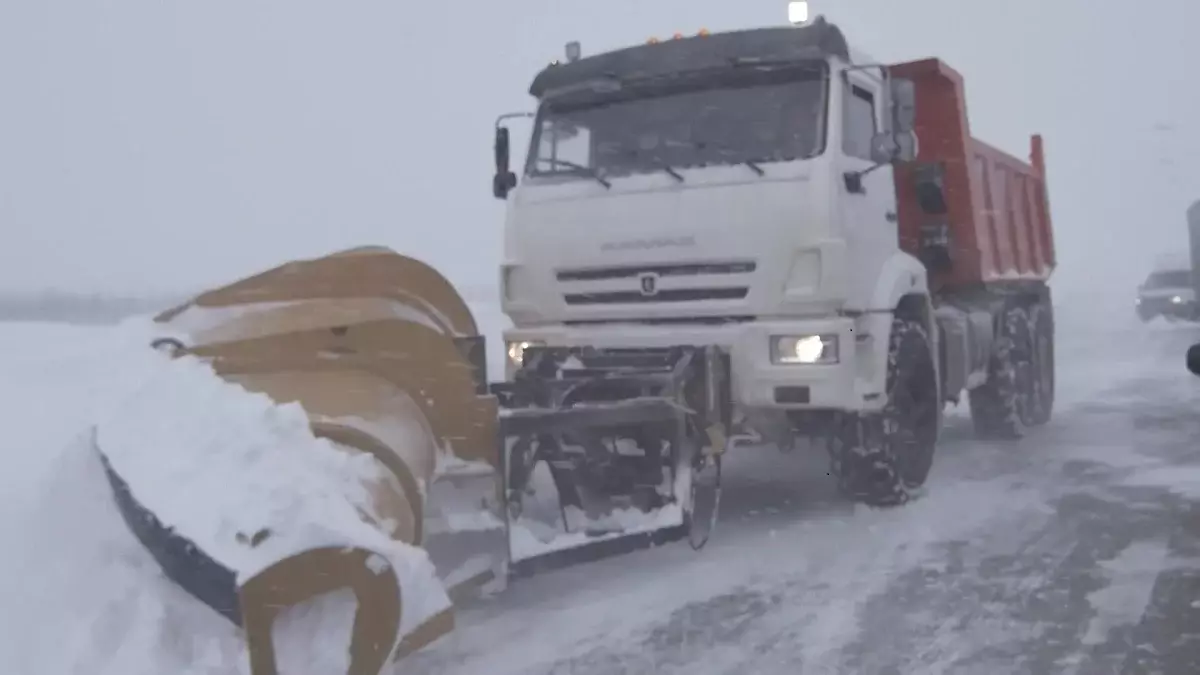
(579, 167)
(636, 154)
(754, 167)
(674, 174)
(753, 164)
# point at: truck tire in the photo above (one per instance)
(1041, 406)
(880, 458)
(1000, 406)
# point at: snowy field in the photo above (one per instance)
(1076, 550)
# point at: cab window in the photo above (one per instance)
(858, 121)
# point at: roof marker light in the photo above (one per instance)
(703, 32)
(798, 12)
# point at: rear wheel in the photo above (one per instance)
(1000, 407)
(880, 458)
(1041, 405)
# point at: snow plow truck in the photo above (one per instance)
(716, 240)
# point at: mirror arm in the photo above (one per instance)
(513, 116)
(853, 179)
(504, 179)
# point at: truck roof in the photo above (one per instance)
(817, 40)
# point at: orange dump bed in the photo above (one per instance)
(992, 221)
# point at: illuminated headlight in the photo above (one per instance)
(1176, 300)
(804, 349)
(516, 351)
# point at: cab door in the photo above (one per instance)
(868, 202)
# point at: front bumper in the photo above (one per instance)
(854, 382)
(1148, 308)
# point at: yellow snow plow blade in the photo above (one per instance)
(386, 360)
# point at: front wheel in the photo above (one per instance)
(880, 458)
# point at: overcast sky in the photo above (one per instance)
(151, 146)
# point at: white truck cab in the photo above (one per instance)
(730, 189)
(738, 192)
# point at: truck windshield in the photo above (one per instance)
(1170, 279)
(739, 116)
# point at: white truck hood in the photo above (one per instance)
(577, 251)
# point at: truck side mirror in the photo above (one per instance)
(892, 146)
(504, 180)
(1193, 359)
(884, 147)
(906, 146)
(904, 105)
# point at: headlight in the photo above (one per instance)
(804, 349)
(1176, 300)
(516, 351)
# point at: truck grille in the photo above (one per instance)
(623, 284)
(634, 271)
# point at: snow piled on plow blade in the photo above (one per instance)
(219, 465)
(215, 464)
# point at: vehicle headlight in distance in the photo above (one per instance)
(804, 349)
(516, 350)
(1176, 300)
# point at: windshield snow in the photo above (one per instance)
(732, 119)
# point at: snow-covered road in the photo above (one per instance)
(1076, 550)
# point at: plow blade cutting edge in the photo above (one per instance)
(586, 453)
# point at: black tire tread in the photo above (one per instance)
(864, 460)
(998, 406)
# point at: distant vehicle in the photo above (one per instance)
(1168, 293)
(1193, 359)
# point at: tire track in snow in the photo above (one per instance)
(803, 594)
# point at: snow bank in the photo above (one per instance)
(212, 461)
